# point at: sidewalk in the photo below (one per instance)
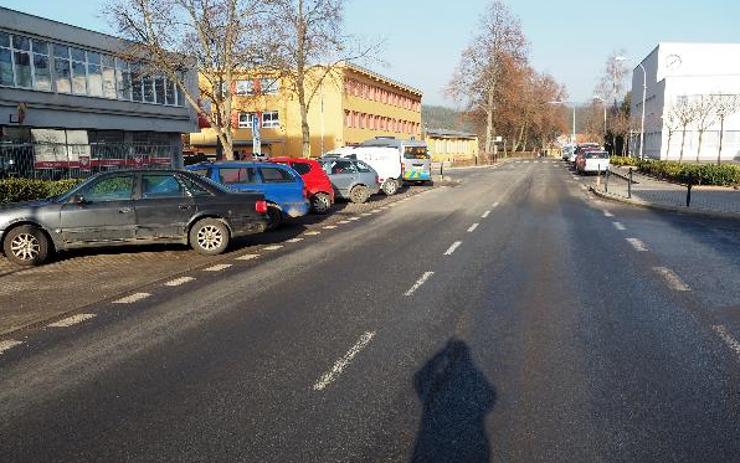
(647, 191)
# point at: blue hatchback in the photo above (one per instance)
(282, 186)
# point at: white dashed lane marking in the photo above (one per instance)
(366, 214)
(473, 227)
(330, 227)
(354, 219)
(607, 213)
(130, 299)
(71, 321)
(725, 335)
(637, 244)
(342, 363)
(8, 344)
(179, 281)
(248, 257)
(274, 247)
(312, 233)
(217, 268)
(672, 280)
(495, 205)
(619, 226)
(343, 222)
(451, 250)
(294, 240)
(485, 215)
(418, 283)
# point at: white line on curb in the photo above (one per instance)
(179, 281)
(607, 213)
(418, 283)
(619, 226)
(136, 297)
(473, 227)
(247, 257)
(637, 244)
(485, 215)
(343, 362)
(274, 247)
(731, 342)
(9, 344)
(674, 281)
(73, 320)
(453, 248)
(217, 268)
(294, 240)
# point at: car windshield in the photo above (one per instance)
(597, 155)
(416, 152)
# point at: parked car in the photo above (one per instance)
(568, 151)
(386, 161)
(318, 184)
(353, 180)
(283, 187)
(416, 163)
(131, 207)
(581, 148)
(590, 161)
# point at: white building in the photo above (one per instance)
(688, 72)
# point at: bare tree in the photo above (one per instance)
(477, 77)
(705, 114)
(672, 124)
(311, 47)
(724, 107)
(685, 115)
(216, 38)
(612, 84)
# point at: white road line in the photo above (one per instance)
(130, 299)
(473, 227)
(330, 227)
(637, 244)
(526, 162)
(312, 233)
(247, 257)
(343, 222)
(495, 205)
(485, 215)
(721, 330)
(607, 213)
(343, 362)
(354, 219)
(367, 214)
(179, 281)
(217, 268)
(8, 344)
(274, 247)
(674, 281)
(375, 211)
(453, 248)
(73, 320)
(619, 226)
(294, 240)
(418, 283)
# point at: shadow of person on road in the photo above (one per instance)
(456, 397)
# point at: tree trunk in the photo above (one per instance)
(489, 122)
(721, 139)
(698, 148)
(668, 145)
(683, 143)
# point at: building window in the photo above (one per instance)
(269, 86)
(123, 80)
(244, 87)
(159, 86)
(79, 71)
(245, 120)
(108, 73)
(270, 120)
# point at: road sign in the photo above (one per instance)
(256, 136)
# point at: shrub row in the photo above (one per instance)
(688, 174)
(28, 189)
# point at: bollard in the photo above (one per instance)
(598, 176)
(629, 184)
(688, 195)
(606, 180)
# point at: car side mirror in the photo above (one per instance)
(77, 199)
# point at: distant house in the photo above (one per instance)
(685, 72)
(452, 146)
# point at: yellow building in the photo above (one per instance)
(352, 105)
(452, 146)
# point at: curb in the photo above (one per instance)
(677, 209)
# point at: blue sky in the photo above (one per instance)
(569, 38)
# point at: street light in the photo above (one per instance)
(603, 103)
(644, 95)
(563, 103)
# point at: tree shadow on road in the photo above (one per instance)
(456, 397)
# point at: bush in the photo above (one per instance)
(687, 174)
(623, 161)
(28, 189)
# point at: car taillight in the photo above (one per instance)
(260, 206)
(305, 191)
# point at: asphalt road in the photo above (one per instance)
(559, 328)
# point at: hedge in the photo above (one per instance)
(28, 189)
(687, 174)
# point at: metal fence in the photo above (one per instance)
(631, 185)
(55, 161)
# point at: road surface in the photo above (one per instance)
(511, 318)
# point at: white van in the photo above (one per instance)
(386, 162)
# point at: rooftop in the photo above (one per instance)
(447, 133)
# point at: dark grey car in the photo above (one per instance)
(131, 207)
(351, 179)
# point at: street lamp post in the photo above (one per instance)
(644, 97)
(603, 104)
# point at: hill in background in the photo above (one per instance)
(442, 117)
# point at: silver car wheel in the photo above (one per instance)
(25, 247)
(210, 237)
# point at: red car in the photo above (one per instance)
(319, 188)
